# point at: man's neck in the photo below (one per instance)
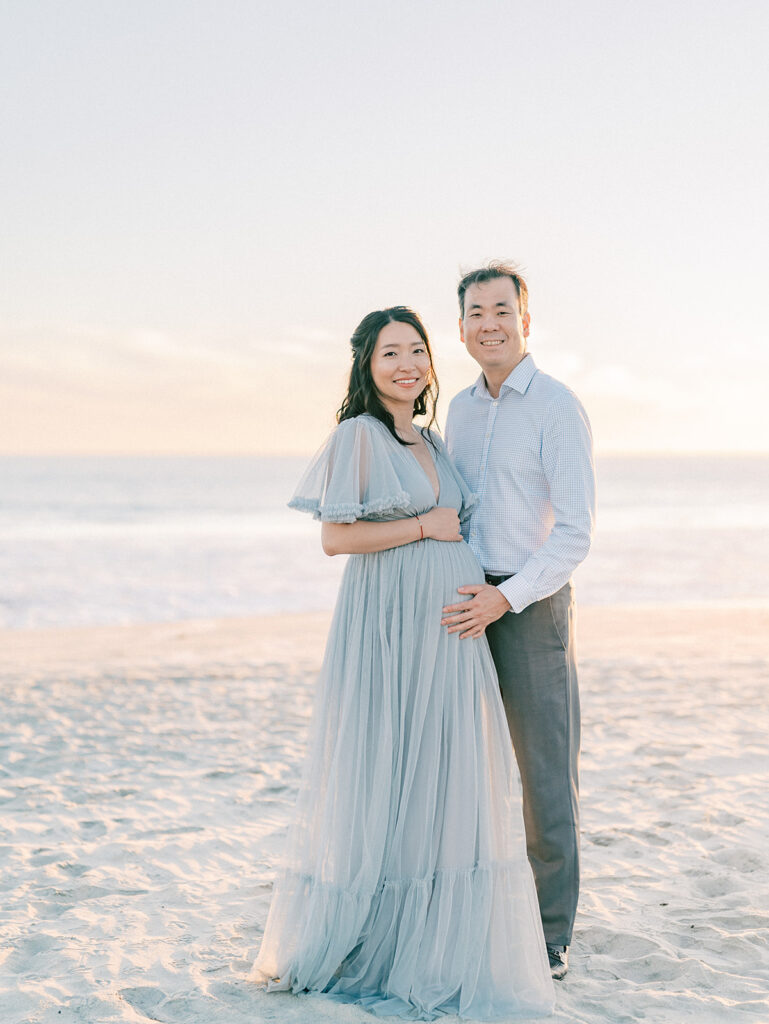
(494, 381)
(493, 387)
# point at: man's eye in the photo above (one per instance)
(474, 315)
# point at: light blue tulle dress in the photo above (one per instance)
(405, 886)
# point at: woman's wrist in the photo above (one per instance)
(421, 529)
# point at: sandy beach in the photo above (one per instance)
(147, 775)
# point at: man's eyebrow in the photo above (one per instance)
(477, 305)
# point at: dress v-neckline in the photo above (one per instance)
(410, 454)
(437, 496)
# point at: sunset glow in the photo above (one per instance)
(201, 204)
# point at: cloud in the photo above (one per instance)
(316, 344)
(615, 381)
(72, 350)
(207, 391)
(565, 364)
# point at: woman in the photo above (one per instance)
(406, 886)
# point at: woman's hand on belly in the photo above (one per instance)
(441, 523)
(472, 617)
(366, 537)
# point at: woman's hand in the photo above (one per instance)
(363, 537)
(441, 524)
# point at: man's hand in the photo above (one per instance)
(488, 605)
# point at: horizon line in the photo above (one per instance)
(656, 453)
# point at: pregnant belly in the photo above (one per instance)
(430, 569)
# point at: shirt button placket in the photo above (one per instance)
(484, 459)
(487, 439)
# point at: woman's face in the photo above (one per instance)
(400, 365)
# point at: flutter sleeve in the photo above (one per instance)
(352, 477)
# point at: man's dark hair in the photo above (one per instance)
(492, 270)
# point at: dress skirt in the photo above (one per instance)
(406, 886)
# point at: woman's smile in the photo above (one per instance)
(400, 364)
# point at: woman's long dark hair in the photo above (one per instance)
(362, 395)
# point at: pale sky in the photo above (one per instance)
(200, 200)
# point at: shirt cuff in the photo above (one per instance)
(518, 592)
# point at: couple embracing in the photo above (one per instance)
(429, 869)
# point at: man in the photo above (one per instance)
(522, 441)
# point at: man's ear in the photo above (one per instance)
(525, 320)
(461, 331)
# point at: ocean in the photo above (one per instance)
(96, 541)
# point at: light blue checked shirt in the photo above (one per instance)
(528, 455)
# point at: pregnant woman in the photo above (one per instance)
(405, 887)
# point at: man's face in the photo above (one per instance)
(492, 328)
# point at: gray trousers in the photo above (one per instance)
(533, 651)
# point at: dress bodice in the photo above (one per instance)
(362, 472)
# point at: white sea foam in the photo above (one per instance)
(100, 541)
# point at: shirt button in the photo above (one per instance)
(494, 402)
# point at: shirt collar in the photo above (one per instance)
(517, 380)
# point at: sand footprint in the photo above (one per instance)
(622, 945)
(146, 1000)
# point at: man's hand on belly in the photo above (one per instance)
(473, 616)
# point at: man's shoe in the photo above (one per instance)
(559, 961)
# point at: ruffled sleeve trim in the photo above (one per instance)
(348, 512)
(353, 476)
